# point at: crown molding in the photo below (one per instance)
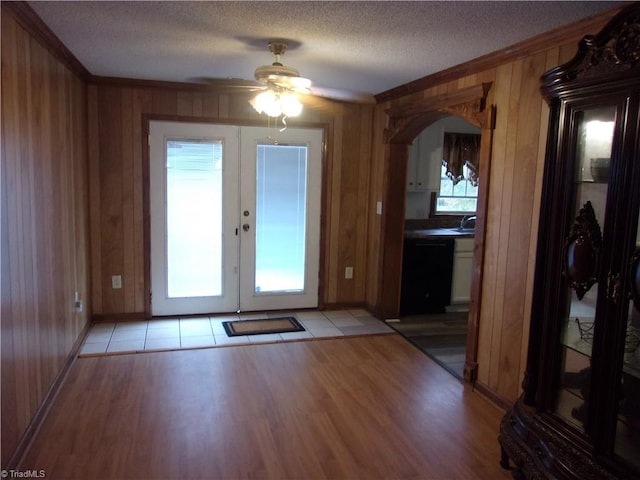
(531, 46)
(33, 24)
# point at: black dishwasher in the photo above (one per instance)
(427, 270)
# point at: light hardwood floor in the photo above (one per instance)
(370, 407)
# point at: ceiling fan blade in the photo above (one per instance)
(232, 84)
(321, 104)
(296, 84)
(343, 95)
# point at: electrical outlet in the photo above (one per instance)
(77, 303)
(348, 272)
(378, 208)
(116, 281)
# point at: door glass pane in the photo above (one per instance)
(627, 443)
(281, 199)
(194, 218)
(593, 151)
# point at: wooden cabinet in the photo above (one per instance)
(579, 415)
(419, 163)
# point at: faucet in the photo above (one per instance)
(468, 221)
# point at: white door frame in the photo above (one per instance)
(250, 300)
(159, 132)
(255, 301)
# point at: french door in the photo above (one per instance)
(235, 218)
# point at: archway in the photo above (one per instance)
(405, 123)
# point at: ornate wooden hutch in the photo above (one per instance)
(579, 415)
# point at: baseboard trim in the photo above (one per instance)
(492, 396)
(345, 306)
(118, 317)
(32, 429)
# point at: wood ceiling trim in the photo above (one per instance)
(531, 46)
(31, 22)
(143, 83)
(408, 120)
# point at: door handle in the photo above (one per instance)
(245, 227)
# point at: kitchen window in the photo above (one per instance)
(458, 193)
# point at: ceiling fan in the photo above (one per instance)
(283, 90)
(278, 75)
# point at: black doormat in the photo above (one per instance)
(267, 325)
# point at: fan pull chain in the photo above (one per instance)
(284, 122)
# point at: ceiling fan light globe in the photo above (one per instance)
(255, 105)
(291, 106)
(274, 103)
(273, 110)
(301, 84)
(266, 102)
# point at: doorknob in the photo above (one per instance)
(245, 227)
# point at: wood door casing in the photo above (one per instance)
(405, 123)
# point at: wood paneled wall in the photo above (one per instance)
(44, 224)
(513, 206)
(118, 112)
(73, 183)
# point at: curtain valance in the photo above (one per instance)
(460, 149)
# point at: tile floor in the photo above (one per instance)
(181, 333)
(441, 336)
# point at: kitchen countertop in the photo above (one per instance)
(440, 232)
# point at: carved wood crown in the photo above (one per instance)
(406, 121)
(582, 251)
(615, 49)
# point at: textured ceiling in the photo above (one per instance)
(361, 46)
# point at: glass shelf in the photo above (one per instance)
(573, 338)
(576, 337)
